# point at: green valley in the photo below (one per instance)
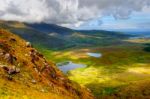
(122, 68)
(75, 49)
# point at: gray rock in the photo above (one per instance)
(7, 56)
(33, 81)
(28, 44)
(10, 70)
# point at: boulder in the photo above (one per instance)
(11, 70)
(12, 40)
(28, 44)
(9, 58)
(33, 81)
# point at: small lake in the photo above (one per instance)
(97, 55)
(67, 66)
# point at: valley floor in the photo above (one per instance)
(123, 71)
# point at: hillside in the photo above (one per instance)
(25, 73)
(55, 37)
(49, 28)
(36, 37)
(80, 38)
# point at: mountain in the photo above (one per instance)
(36, 37)
(25, 73)
(50, 28)
(55, 37)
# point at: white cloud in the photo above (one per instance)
(68, 12)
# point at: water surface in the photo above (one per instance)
(67, 66)
(97, 55)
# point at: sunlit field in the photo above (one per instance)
(112, 75)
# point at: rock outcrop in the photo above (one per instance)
(25, 71)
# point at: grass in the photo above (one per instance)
(116, 69)
(48, 82)
(123, 61)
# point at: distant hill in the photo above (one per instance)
(55, 37)
(50, 28)
(36, 37)
(26, 74)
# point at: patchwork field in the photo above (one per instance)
(122, 71)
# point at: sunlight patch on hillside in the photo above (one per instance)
(140, 70)
(140, 40)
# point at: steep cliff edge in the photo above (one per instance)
(25, 73)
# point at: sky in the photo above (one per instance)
(80, 14)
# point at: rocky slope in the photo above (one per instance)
(25, 73)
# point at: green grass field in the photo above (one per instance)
(120, 67)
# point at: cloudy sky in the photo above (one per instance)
(80, 14)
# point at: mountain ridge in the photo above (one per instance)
(56, 37)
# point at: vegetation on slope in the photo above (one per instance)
(25, 73)
(36, 37)
(122, 72)
(55, 37)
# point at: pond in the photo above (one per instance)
(67, 66)
(97, 55)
